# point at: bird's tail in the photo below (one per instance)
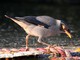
(20, 23)
(12, 18)
(9, 17)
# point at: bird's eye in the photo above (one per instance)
(61, 27)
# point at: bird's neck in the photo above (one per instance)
(54, 30)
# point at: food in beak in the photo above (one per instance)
(69, 35)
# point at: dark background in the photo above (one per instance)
(67, 10)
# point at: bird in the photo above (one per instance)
(41, 27)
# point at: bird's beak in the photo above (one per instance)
(66, 31)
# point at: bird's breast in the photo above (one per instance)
(41, 31)
(38, 31)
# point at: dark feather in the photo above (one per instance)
(32, 20)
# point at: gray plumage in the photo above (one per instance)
(40, 26)
(36, 20)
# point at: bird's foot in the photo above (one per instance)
(48, 49)
(27, 48)
(54, 45)
(51, 49)
(49, 46)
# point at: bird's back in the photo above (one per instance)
(33, 20)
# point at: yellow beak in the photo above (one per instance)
(69, 35)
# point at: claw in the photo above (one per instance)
(27, 48)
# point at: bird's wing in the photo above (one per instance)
(45, 21)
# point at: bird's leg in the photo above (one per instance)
(39, 40)
(49, 46)
(27, 37)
